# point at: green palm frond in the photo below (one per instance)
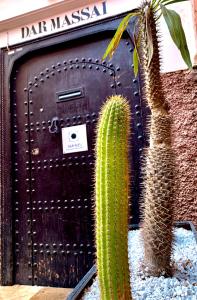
(177, 33)
(167, 2)
(119, 32)
(174, 24)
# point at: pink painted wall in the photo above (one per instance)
(181, 93)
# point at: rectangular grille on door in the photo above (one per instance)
(70, 95)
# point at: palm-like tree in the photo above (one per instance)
(159, 166)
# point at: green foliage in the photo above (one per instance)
(111, 189)
(167, 2)
(119, 32)
(175, 27)
(135, 61)
(173, 20)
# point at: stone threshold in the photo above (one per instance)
(26, 292)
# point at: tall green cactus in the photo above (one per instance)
(112, 192)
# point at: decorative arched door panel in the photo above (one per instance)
(56, 98)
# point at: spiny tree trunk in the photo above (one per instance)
(159, 165)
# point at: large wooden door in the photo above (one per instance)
(53, 201)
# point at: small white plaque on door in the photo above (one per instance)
(74, 139)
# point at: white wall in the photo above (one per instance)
(13, 8)
(19, 13)
(172, 59)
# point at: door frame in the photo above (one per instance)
(9, 58)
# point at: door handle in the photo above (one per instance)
(55, 125)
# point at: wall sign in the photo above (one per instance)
(74, 139)
(102, 9)
(88, 13)
(65, 21)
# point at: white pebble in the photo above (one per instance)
(182, 286)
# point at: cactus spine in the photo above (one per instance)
(158, 181)
(112, 191)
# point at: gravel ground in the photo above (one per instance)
(182, 286)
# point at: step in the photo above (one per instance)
(26, 292)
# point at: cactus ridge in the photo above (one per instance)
(159, 163)
(111, 189)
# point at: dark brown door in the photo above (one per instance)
(53, 191)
